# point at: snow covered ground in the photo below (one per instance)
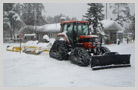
(26, 70)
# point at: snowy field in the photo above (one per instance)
(26, 70)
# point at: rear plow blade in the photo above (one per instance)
(110, 60)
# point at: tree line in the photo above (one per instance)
(120, 11)
(56, 18)
(17, 15)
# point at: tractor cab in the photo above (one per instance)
(74, 29)
(78, 34)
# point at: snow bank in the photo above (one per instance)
(25, 70)
(52, 40)
(40, 46)
(9, 47)
(46, 37)
(30, 43)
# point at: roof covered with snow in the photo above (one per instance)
(44, 28)
(30, 34)
(111, 25)
(107, 24)
(49, 28)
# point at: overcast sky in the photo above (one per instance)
(72, 9)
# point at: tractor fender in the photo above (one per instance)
(64, 35)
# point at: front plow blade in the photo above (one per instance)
(110, 60)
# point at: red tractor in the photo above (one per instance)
(76, 44)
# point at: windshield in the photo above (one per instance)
(68, 27)
(79, 28)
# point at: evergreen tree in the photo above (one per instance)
(57, 18)
(83, 19)
(11, 20)
(50, 19)
(8, 6)
(32, 14)
(67, 18)
(18, 8)
(131, 27)
(16, 15)
(74, 18)
(122, 12)
(94, 15)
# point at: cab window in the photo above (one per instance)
(68, 27)
(65, 27)
(83, 29)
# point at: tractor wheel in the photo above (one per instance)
(79, 56)
(59, 50)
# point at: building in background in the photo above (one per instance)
(112, 31)
(49, 29)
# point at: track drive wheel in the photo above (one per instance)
(59, 50)
(102, 50)
(79, 56)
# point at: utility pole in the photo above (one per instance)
(106, 11)
(21, 35)
(118, 11)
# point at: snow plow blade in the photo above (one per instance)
(110, 60)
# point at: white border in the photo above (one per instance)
(64, 1)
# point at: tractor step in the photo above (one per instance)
(110, 60)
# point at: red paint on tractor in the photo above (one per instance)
(73, 21)
(64, 37)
